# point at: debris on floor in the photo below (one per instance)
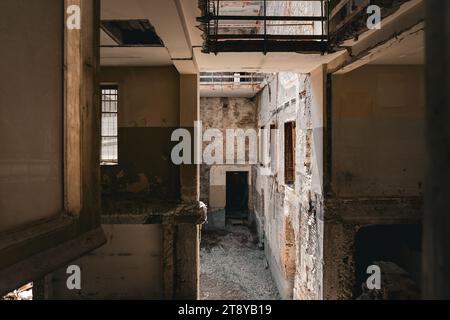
(23, 293)
(233, 267)
(396, 284)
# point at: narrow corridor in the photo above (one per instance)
(233, 267)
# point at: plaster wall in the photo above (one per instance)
(292, 216)
(378, 124)
(31, 111)
(149, 111)
(377, 161)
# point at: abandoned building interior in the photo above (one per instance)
(349, 124)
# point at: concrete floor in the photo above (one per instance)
(233, 267)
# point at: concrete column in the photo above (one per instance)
(187, 262)
(187, 252)
(436, 257)
(189, 113)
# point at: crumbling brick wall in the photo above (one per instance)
(293, 215)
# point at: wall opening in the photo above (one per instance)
(237, 195)
(396, 249)
(129, 33)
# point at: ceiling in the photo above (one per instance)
(410, 50)
(135, 56)
(167, 18)
(113, 55)
(257, 62)
(175, 23)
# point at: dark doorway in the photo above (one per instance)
(237, 195)
(396, 249)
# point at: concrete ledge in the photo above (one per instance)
(37, 266)
(377, 210)
(152, 212)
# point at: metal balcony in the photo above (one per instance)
(264, 26)
(303, 26)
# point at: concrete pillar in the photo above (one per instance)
(189, 113)
(436, 257)
(187, 236)
(187, 265)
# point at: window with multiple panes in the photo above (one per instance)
(109, 149)
(289, 153)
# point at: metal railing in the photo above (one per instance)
(303, 26)
(264, 25)
(228, 78)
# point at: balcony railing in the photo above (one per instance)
(264, 26)
(303, 26)
(231, 78)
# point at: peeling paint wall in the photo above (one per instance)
(378, 125)
(149, 103)
(377, 162)
(223, 114)
(292, 217)
(149, 254)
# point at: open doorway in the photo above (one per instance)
(237, 195)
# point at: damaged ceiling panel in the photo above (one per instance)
(135, 42)
(132, 33)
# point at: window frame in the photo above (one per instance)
(109, 86)
(290, 153)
